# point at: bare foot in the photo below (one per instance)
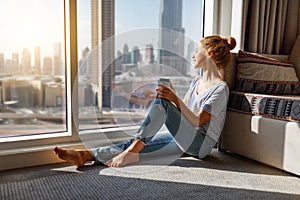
(123, 159)
(73, 156)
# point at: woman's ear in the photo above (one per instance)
(211, 54)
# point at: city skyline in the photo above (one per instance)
(28, 62)
(31, 30)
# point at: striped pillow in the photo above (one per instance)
(268, 87)
(246, 57)
(264, 75)
(272, 106)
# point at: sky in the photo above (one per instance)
(26, 24)
(30, 23)
(132, 16)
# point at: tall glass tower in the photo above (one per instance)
(102, 12)
(171, 53)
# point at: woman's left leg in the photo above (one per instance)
(161, 143)
(162, 112)
(188, 138)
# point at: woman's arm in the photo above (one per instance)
(165, 92)
(136, 100)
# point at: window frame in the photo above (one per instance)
(32, 150)
(16, 139)
(18, 148)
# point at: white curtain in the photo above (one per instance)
(272, 25)
(226, 18)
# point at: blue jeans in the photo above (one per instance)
(181, 135)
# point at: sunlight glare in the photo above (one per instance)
(26, 25)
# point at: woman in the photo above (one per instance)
(194, 124)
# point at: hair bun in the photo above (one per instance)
(231, 42)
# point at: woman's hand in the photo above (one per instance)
(167, 93)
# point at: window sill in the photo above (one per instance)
(33, 137)
(32, 156)
(27, 156)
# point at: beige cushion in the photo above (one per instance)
(247, 57)
(262, 74)
(295, 56)
(266, 72)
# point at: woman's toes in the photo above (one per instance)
(108, 163)
(56, 150)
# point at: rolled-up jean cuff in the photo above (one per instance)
(143, 140)
(95, 154)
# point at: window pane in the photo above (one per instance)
(122, 58)
(32, 67)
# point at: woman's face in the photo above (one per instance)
(199, 57)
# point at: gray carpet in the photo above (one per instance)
(219, 176)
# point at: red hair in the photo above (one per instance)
(220, 47)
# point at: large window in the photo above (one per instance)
(69, 65)
(124, 47)
(32, 67)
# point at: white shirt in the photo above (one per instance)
(214, 101)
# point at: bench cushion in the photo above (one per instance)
(285, 107)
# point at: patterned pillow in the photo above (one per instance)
(272, 106)
(268, 87)
(246, 57)
(261, 74)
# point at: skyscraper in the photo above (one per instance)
(135, 55)
(26, 62)
(84, 63)
(126, 54)
(149, 55)
(57, 59)
(15, 62)
(171, 53)
(37, 60)
(102, 49)
(118, 63)
(47, 66)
